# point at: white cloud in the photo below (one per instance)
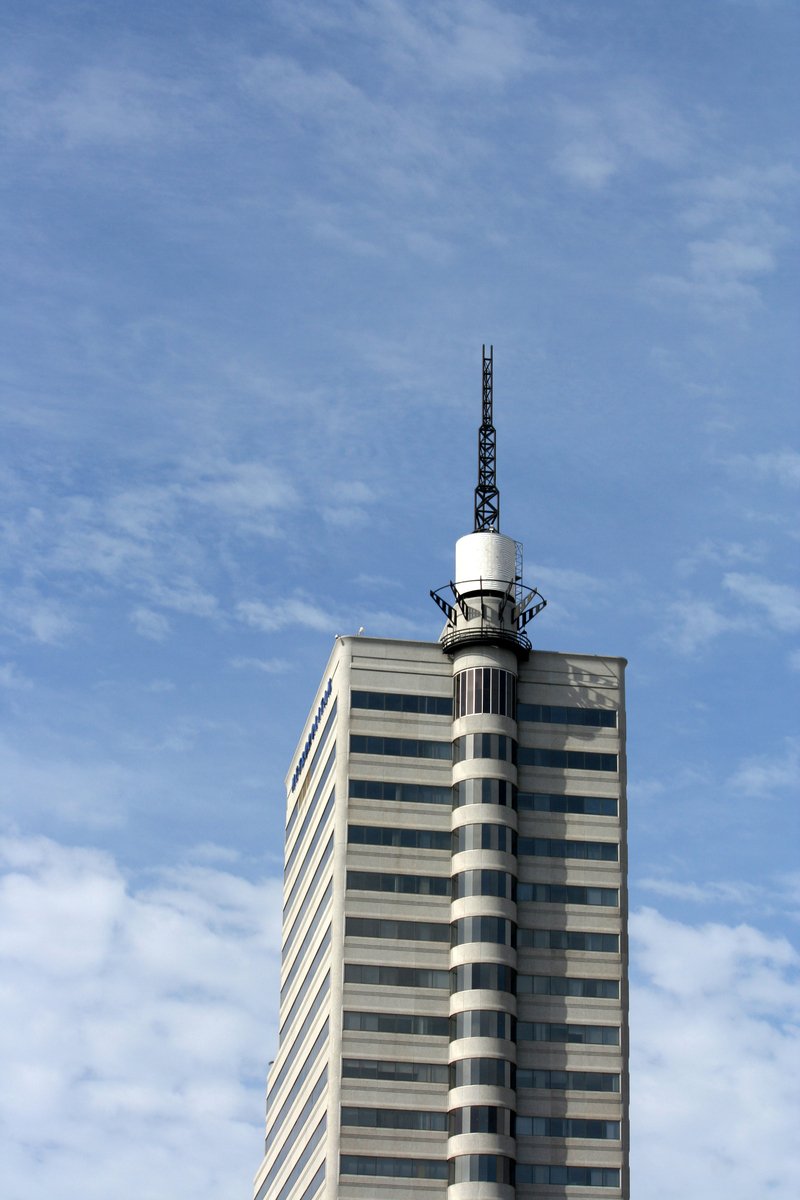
(283, 613)
(779, 602)
(693, 622)
(715, 1070)
(761, 776)
(270, 666)
(783, 466)
(150, 624)
(11, 678)
(133, 1028)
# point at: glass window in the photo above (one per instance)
(485, 690)
(483, 1022)
(297, 1045)
(480, 882)
(397, 1168)
(413, 839)
(567, 893)
(491, 1072)
(319, 832)
(387, 976)
(573, 760)
(308, 979)
(554, 714)
(400, 747)
(407, 793)
(486, 836)
(402, 1023)
(567, 1127)
(596, 806)
(394, 1118)
(299, 1167)
(395, 1072)
(309, 811)
(568, 1081)
(562, 848)
(481, 1168)
(570, 1176)
(496, 930)
(322, 868)
(582, 1035)
(411, 885)
(569, 939)
(567, 985)
(485, 745)
(407, 931)
(437, 706)
(495, 977)
(298, 1126)
(481, 1118)
(484, 791)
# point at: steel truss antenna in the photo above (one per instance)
(487, 497)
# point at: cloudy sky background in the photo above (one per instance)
(251, 253)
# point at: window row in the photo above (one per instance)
(567, 1127)
(395, 1168)
(594, 806)
(569, 939)
(298, 1126)
(395, 1072)
(308, 896)
(300, 957)
(485, 690)
(308, 1064)
(405, 793)
(481, 1118)
(411, 839)
(408, 885)
(394, 1118)
(296, 888)
(489, 1072)
(330, 725)
(437, 706)
(572, 1176)
(416, 977)
(400, 747)
(567, 893)
(557, 714)
(310, 811)
(568, 1081)
(413, 1024)
(407, 931)
(302, 1160)
(481, 1168)
(485, 745)
(567, 985)
(580, 1035)
(308, 979)
(563, 848)
(485, 836)
(484, 791)
(572, 760)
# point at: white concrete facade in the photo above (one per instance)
(470, 793)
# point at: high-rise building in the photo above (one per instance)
(453, 1006)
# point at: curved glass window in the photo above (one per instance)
(484, 791)
(485, 745)
(496, 930)
(485, 690)
(481, 1118)
(494, 977)
(491, 1072)
(481, 1168)
(486, 836)
(483, 1022)
(481, 882)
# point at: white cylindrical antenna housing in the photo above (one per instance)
(485, 562)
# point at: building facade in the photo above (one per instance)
(453, 1009)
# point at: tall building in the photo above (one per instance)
(453, 1006)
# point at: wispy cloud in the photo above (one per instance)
(761, 776)
(780, 466)
(779, 603)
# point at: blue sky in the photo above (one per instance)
(251, 253)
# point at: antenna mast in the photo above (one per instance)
(487, 497)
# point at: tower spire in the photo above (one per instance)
(487, 497)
